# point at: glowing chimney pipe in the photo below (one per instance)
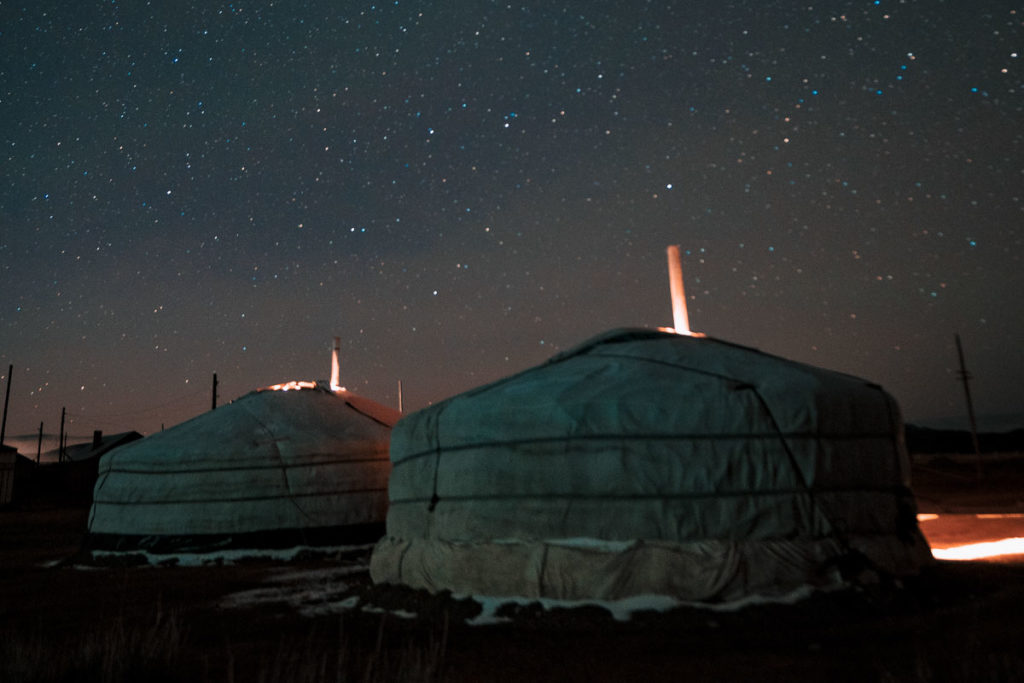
(680, 319)
(335, 368)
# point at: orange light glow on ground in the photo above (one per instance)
(990, 536)
(981, 551)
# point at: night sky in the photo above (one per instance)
(461, 189)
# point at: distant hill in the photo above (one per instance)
(989, 423)
(28, 444)
(929, 440)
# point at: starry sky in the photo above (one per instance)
(461, 189)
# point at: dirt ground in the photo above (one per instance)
(269, 620)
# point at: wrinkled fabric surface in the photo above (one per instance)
(270, 460)
(701, 571)
(644, 435)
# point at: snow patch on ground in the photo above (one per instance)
(400, 613)
(317, 575)
(227, 556)
(624, 609)
(327, 591)
(311, 593)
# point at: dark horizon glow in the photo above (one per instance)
(461, 191)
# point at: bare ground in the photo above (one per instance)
(62, 620)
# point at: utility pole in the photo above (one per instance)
(214, 405)
(7, 398)
(60, 439)
(965, 377)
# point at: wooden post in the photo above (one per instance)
(60, 438)
(39, 446)
(400, 396)
(7, 398)
(966, 378)
(214, 404)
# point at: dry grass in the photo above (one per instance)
(959, 622)
(114, 651)
(966, 659)
(352, 657)
(161, 652)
